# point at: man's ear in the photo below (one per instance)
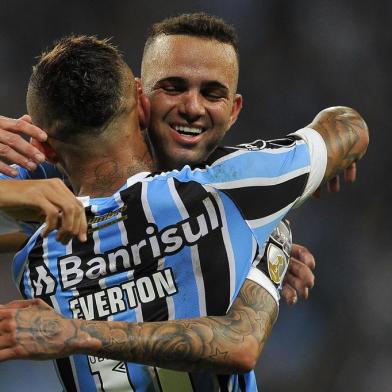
(139, 88)
(236, 108)
(47, 150)
(143, 108)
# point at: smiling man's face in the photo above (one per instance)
(191, 83)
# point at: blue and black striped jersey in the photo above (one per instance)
(172, 245)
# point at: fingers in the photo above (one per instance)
(300, 278)
(7, 170)
(64, 212)
(302, 254)
(333, 185)
(15, 148)
(350, 174)
(289, 294)
(19, 304)
(317, 193)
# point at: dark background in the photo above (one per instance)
(297, 57)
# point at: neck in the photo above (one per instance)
(101, 173)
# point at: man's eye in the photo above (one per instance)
(213, 96)
(171, 89)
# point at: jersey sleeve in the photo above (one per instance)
(258, 277)
(318, 161)
(44, 171)
(265, 179)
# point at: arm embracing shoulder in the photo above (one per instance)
(346, 137)
(224, 344)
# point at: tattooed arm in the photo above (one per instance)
(225, 344)
(346, 136)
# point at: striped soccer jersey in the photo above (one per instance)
(172, 245)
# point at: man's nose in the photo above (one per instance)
(192, 105)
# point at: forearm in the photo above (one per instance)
(345, 134)
(225, 344)
(12, 242)
(16, 202)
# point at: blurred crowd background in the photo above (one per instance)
(297, 57)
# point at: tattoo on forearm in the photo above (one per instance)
(345, 133)
(207, 343)
(40, 333)
(190, 344)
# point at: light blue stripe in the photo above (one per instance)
(140, 377)
(186, 302)
(44, 170)
(252, 164)
(19, 260)
(85, 378)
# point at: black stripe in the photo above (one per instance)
(242, 383)
(158, 380)
(214, 261)
(65, 373)
(135, 226)
(85, 250)
(35, 260)
(258, 201)
(223, 382)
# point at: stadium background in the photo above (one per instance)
(297, 57)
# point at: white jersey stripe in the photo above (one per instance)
(121, 226)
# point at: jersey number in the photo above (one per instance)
(113, 376)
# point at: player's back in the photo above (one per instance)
(157, 250)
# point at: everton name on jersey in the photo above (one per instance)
(168, 246)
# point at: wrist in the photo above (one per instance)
(84, 342)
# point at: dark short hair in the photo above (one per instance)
(197, 24)
(79, 84)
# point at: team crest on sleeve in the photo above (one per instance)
(276, 257)
(277, 263)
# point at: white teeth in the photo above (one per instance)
(188, 130)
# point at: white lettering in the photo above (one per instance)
(102, 305)
(128, 287)
(169, 238)
(43, 279)
(203, 230)
(98, 268)
(164, 283)
(113, 260)
(135, 249)
(71, 274)
(115, 299)
(145, 289)
(87, 307)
